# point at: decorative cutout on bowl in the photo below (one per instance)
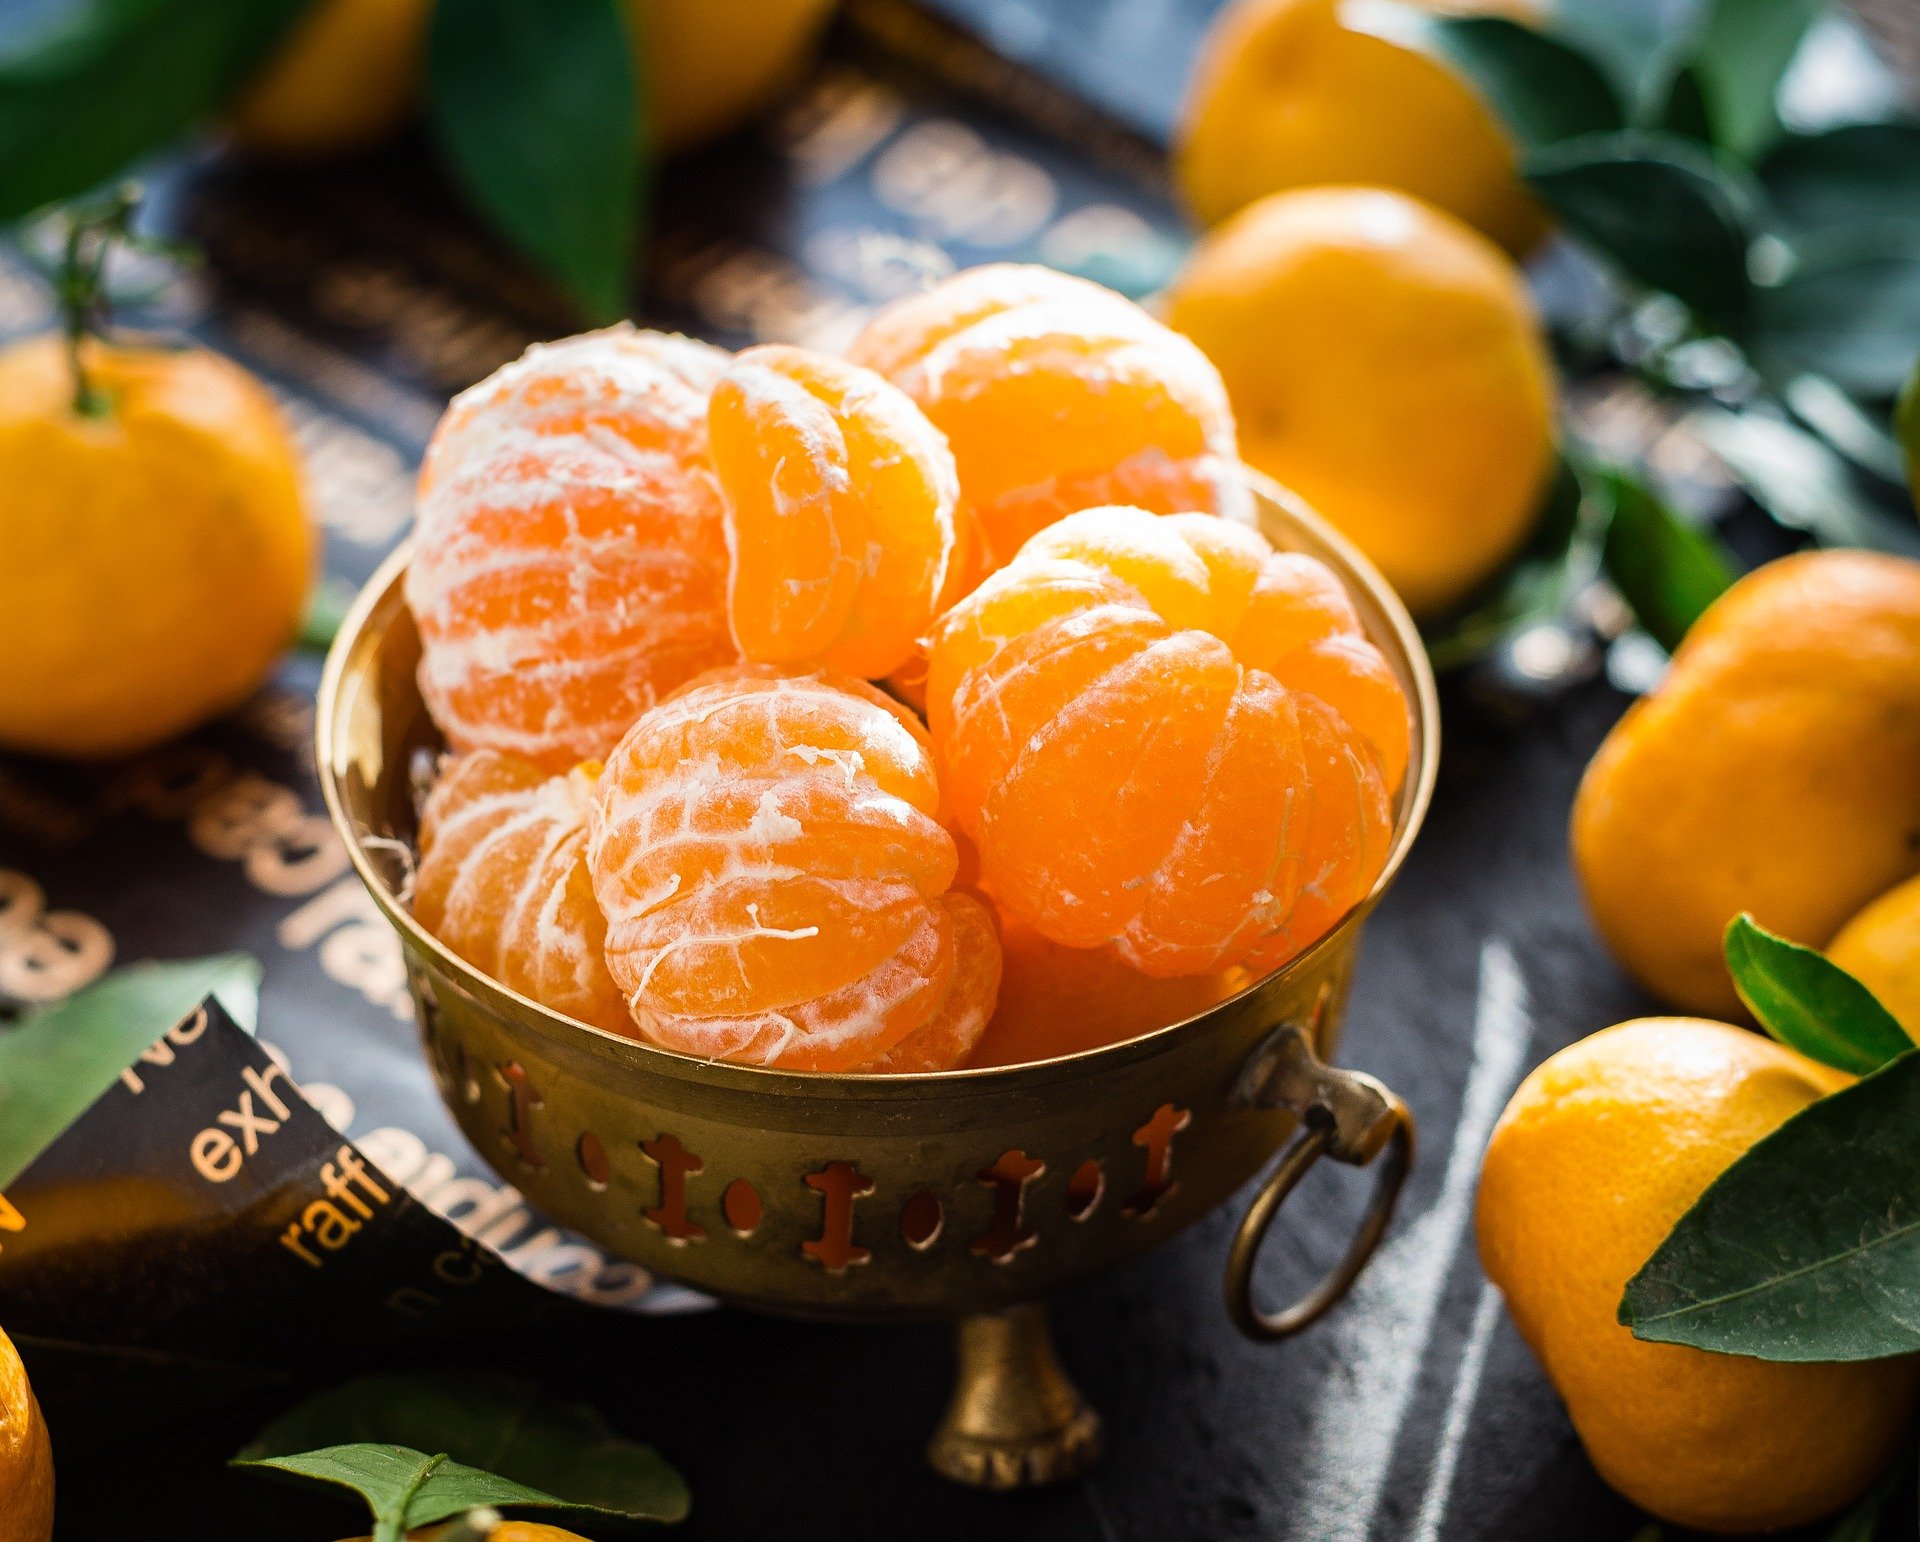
(676, 1165)
(839, 1184)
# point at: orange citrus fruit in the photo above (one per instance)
(1299, 93)
(1601, 1150)
(503, 882)
(1385, 363)
(1058, 1001)
(346, 78)
(1776, 769)
(1056, 395)
(570, 562)
(1165, 736)
(26, 1457)
(768, 853)
(839, 504)
(155, 553)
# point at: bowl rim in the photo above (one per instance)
(381, 592)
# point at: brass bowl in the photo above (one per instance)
(963, 1195)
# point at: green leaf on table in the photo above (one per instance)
(105, 83)
(536, 106)
(1667, 570)
(1860, 173)
(533, 1450)
(1801, 481)
(1810, 1003)
(1661, 209)
(1808, 1247)
(1737, 54)
(1848, 307)
(1542, 89)
(55, 1060)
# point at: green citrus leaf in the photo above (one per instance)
(536, 1450)
(56, 1060)
(1662, 210)
(1848, 308)
(111, 80)
(1801, 481)
(1861, 173)
(1667, 570)
(1738, 54)
(535, 104)
(1544, 90)
(1810, 1003)
(405, 1488)
(1808, 1247)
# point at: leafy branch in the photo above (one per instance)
(1766, 280)
(534, 104)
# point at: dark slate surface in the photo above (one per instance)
(1414, 1413)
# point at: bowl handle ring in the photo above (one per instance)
(1347, 1115)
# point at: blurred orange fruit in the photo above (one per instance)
(347, 76)
(155, 554)
(570, 563)
(1055, 395)
(768, 854)
(1385, 363)
(344, 79)
(839, 504)
(1164, 736)
(1297, 93)
(708, 66)
(503, 882)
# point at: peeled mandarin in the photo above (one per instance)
(839, 498)
(570, 562)
(503, 882)
(1055, 395)
(1165, 737)
(1058, 1001)
(767, 851)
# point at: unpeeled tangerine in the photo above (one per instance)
(767, 852)
(1166, 737)
(1056, 395)
(839, 512)
(570, 561)
(503, 882)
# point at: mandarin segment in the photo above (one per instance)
(1056, 1000)
(570, 562)
(767, 850)
(1055, 395)
(503, 882)
(839, 499)
(1201, 712)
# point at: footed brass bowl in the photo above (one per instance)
(968, 1195)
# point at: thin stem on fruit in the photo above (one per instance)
(93, 231)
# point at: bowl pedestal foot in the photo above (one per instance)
(1015, 1421)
